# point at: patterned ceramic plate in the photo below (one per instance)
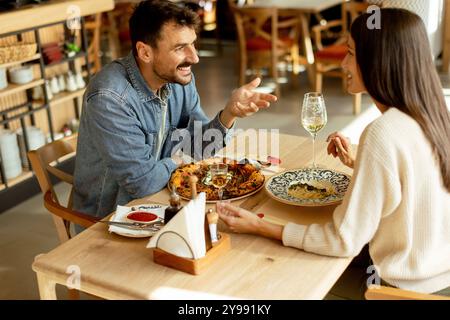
(336, 183)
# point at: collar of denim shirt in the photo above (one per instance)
(138, 81)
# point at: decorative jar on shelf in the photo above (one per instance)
(35, 138)
(9, 150)
(3, 81)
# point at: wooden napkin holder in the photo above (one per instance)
(195, 266)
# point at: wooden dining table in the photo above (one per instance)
(112, 266)
(304, 9)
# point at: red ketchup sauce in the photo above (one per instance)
(273, 160)
(142, 216)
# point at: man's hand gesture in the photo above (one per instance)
(244, 102)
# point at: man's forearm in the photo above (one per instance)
(227, 118)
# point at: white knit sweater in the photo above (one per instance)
(397, 203)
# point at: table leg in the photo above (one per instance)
(308, 48)
(47, 289)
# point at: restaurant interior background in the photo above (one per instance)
(43, 75)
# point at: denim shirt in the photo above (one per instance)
(116, 159)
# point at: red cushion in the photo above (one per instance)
(124, 35)
(259, 43)
(337, 52)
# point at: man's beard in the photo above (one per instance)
(174, 78)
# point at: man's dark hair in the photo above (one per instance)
(150, 16)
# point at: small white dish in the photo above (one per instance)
(121, 216)
(21, 75)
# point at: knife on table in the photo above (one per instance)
(152, 226)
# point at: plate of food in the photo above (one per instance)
(309, 187)
(243, 180)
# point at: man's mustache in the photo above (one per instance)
(185, 64)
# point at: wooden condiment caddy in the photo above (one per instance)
(195, 266)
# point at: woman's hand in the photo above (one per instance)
(339, 146)
(242, 221)
(237, 219)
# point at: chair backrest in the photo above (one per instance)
(42, 161)
(255, 22)
(350, 11)
(267, 23)
(387, 293)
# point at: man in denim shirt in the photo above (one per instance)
(134, 106)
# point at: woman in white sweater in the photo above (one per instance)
(399, 199)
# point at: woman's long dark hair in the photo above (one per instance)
(397, 69)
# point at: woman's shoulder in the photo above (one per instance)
(392, 134)
(392, 125)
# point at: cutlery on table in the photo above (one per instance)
(153, 226)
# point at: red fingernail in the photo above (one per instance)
(260, 215)
(273, 160)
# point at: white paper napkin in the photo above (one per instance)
(184, 235)
(121, 216)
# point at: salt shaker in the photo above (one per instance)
(173, 208)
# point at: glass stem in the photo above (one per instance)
(220, 194)
(314, 150)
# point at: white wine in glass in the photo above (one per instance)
(219, 177)
(314, 116)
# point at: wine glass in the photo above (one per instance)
(314, 116)
(219, 177)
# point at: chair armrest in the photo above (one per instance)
(76, 217)
(60, 174)
(387, 293)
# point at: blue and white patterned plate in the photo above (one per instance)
(277, 186)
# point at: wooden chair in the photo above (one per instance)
(41, 161)
(207, 11)
(446, 43)
(266, 36)
(387, 293)
(328, 59)
(116, 27)
(92, 26)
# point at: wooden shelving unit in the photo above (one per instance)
(14, 88)
(12, 182)
(13, 63)
(65, 96)
(65, 60)
(25, 112)
(62, 97)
